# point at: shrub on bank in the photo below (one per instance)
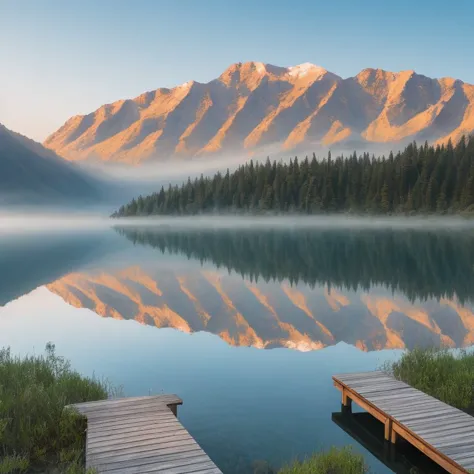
(333, 461)
(441, 373)
(35, 430)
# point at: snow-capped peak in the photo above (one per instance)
(260, 67)
(186, 84)
(304, 69)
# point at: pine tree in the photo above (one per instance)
(384, 199)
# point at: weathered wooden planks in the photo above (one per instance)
(140, 435)
(443, 433)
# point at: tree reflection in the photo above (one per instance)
(420, 264)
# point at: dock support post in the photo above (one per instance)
(346, 401)
(174, 409)
(388, 429)
(394, 436)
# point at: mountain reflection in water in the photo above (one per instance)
(302, 289)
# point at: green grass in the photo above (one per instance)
(36, 433)
(333, 461)
(441, 373)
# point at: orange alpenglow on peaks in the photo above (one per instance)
(254, 107)
(303, 319)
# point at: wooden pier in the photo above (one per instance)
(443, 433)
(141, 434)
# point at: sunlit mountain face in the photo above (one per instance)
(302, 290)
(254, 108)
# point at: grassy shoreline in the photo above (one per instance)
(36, 433)
(333, 461)
(440, 372)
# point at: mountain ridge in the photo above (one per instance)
(253, 107)
(32, 174)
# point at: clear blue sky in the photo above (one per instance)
(60, 58)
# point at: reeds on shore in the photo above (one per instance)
(36, 433)
(445, 374)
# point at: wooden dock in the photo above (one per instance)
(443, 433)
(141, 434)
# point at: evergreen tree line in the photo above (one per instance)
(422, 179)
(419, 264)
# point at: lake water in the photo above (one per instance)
(246, 325)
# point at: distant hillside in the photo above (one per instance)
(260, 108)
(31, 174)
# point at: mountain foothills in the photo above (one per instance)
(418, 180)
(32, 174)
(254, 107)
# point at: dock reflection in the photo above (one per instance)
(369, 433)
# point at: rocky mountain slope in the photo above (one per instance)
(254, 107)
(32, 174)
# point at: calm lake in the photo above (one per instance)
(246, 325)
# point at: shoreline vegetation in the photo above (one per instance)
(440, 372)
(421, 180)
(38, 435)
(333, 461)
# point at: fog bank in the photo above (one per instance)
(295, 222)
(47, 222)
(27, 222)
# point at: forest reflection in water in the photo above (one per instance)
(419, 264)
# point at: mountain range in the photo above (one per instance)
(33, 174)
(253, 108)
(266, 315)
